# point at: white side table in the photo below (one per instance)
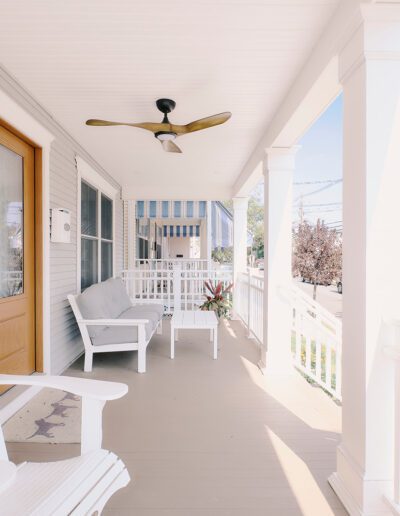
(194, 320)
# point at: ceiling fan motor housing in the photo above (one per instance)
(165, 105)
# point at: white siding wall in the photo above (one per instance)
(65, 342)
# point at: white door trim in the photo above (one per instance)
(12, 113)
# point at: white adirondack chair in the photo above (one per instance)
(78, 486)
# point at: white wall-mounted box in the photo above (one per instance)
(60, 225)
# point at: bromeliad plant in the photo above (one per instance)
(218, 298)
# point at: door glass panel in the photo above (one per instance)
(11, 223)
(89, 263)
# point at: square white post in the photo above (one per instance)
(240, 205)
(370, 75)
(278, 168)
(131, 233)
(209, 236)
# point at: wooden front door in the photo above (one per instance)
(17, 255)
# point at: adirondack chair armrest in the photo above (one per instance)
(113, 322)
(86, 388)
(94, 395)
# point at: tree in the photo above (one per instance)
(317, 254)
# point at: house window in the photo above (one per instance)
(189, 209)
(153, 209)
(177, 209)
(96, 236)
(202, 209)
(165, 209)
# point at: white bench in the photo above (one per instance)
(108, 321)
(78, 486)
(194, 320)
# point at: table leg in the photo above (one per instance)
(215, 343)
(172, 342)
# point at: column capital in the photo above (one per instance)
(279, 159)
(240, 203)
(373, 34)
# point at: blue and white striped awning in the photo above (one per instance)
(171, 209)
(181, 230)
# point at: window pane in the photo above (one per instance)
(153, 209)
(106, 218)
(140, 209)
(189, 209)
(165, 209)
(106, 260)
(202, 209)
(177, 209)
(11, 223)
(88, 210)
(89, 263)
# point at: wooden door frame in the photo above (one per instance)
(38, 254)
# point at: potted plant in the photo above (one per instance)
(218, 298)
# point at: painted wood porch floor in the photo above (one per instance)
(213, 438)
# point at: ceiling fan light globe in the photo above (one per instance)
(165, 136)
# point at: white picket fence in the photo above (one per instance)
(316, 333)
(178, 285)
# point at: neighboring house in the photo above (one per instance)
(178, 229)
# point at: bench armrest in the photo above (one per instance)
(113, 322)
(83, 387)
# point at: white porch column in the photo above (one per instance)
(131, 232)
(209, 238)
(370, 74)
(278, 168)
(239, 238)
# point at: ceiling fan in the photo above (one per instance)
(166, 132)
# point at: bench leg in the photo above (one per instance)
(142, 359)
(88, 362)
(172, 342)
(215, 343)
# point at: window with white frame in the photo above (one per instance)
(96, 235)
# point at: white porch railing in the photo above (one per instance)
(178, 285)
(249, 292)
(316, 333)
(317, 342)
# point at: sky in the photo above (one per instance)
(320, 159)
(318, 174)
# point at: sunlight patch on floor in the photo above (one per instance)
(308, 495)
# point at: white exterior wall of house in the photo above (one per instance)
(62, 340)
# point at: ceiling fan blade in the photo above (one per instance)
(170, 146)
(203, 123)
(149, 126)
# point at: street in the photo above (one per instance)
(328, 297)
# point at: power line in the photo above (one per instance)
(334, 181)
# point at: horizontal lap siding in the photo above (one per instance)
(66, 344)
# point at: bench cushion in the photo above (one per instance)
(106, 300)
(129, 334)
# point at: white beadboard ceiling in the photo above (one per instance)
(113, 59)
